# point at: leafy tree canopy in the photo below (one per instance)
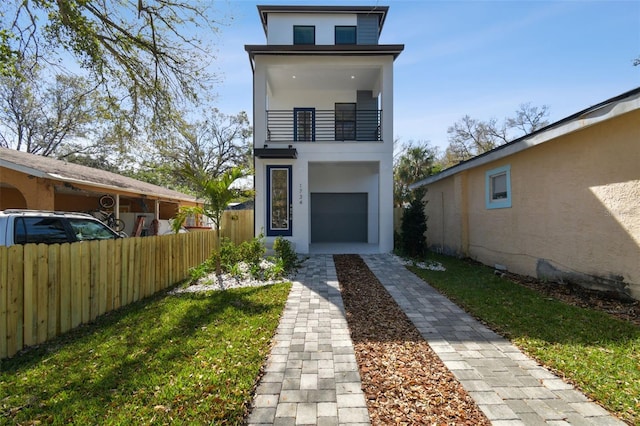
(148, 54)
(194, 152)
(117, 81)
(414, 161)
(49, 118)
(469, 137)
(213, 145)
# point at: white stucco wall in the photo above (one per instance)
(319, 165)
(280, 26)
(313, 98)
(341, 171)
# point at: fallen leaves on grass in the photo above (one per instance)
(404, 381)
(626, 310)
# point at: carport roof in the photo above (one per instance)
(70, 174)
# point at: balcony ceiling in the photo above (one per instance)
(322, 77)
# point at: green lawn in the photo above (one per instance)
(599, 353)
(179, 359)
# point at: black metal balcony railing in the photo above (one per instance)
(311, 125)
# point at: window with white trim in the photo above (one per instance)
(498, 188)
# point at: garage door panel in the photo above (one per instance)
(339, 217)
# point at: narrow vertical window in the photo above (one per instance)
(304, 122)
(304, 34)
(345, 34)
(498, 188)
(279, 200)
(345, 121)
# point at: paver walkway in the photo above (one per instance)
(312, 376)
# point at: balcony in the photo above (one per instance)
(312, 125)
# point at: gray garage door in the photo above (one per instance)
(338, 218)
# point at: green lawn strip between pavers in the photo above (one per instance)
(179, 359)
(595, 351)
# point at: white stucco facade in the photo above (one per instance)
(334, 169)
(280, 26)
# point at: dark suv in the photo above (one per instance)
(38, 226)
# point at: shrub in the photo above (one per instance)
(204, 269)
(397, 242)
(253, 251)
(284, 251)
(250, 252)
(248, 258)
(229, 255)
(275, 271)
(414, 226)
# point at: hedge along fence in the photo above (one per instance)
(47, 290)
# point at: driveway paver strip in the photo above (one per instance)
(311, 376)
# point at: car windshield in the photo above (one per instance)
(86, 229)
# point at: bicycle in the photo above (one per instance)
(107, 201)
(109, 217)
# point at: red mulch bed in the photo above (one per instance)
(404, 381)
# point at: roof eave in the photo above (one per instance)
(66, 179)
(614, 107)
(356, 49)
(22, 169)
(120, 189)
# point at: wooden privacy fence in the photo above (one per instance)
(47, 290)
(397, 219)
(237, 225)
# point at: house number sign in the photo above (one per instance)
(300, 194)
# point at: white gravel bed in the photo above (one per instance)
(224, 282)
(212, 282)
(433, 266)
(227, 281)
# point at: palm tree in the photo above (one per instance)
(217, 193)
(415, 161)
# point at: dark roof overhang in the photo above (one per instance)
(340, 50)
(275, 152)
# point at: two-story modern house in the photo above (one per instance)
(323, 128)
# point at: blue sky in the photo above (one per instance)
(481, 58)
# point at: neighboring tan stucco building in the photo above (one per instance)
(34, 182)
(561, 204)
